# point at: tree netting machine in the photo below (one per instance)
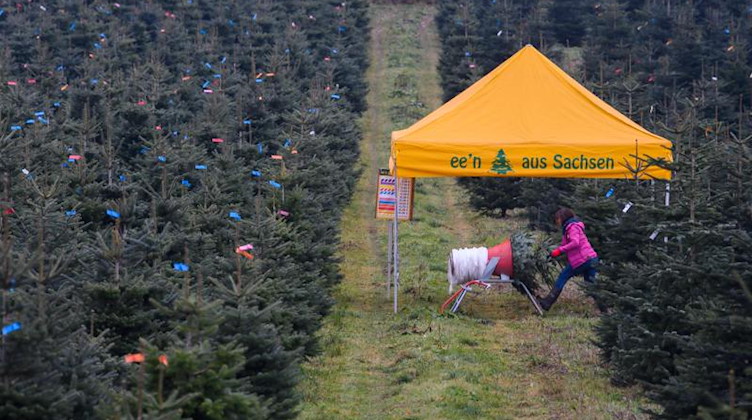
(499, 269)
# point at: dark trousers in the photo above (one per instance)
(588, 270)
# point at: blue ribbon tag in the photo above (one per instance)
(11, 327)
(113, 214)
(235, 215)
(275, 184)
(200, 167)
(255, 174)
(180, 267)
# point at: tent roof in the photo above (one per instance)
(527, 109)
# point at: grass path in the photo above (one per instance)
(497, 360)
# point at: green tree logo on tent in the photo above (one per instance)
(500, 164)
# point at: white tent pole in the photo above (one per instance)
(389, 258)
(395, 237)
(667, 202)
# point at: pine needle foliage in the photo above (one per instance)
(143, 144)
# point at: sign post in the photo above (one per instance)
(394, 202)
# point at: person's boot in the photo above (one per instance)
(549, 300)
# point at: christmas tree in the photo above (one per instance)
(674, 273)
(167, 189)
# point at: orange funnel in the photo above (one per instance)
(504, 252)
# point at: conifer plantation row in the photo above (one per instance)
(172, 175)
(676, 271)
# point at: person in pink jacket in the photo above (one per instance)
(582, 258)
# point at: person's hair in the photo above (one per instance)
(563, 214)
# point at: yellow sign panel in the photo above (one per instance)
(553, 162)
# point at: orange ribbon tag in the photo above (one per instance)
(134, 358)
(246, 254)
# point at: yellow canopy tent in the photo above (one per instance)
(528, 118)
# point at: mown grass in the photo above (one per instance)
(494, 360)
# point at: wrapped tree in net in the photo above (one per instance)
(530, 259)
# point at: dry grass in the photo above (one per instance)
(495, 360)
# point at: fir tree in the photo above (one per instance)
(567, 21)
(143, 126)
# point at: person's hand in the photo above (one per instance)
(555, 253)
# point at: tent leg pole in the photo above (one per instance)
(395, 266)
(395, 237)
(667, 203)
(389, 259)
(395, 262)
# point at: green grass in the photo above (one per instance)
(494, 360)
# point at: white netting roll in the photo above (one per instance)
(466, 264)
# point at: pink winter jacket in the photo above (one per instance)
(575, 244)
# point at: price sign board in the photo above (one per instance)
(387, 196)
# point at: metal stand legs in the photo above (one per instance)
(486, 281)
